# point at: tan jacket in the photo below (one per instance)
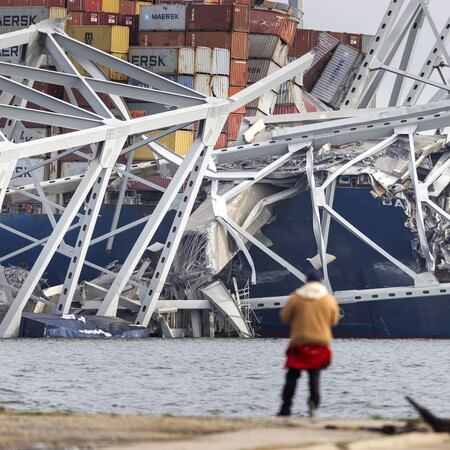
(311, 312)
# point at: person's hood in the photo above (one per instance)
(312, 291)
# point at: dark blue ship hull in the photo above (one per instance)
(357, 266)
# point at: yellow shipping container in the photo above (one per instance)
(139, 4)
(111, 6)
(56, 13)
(111, 74)
(179, 142)
(109, 38)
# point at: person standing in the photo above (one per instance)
(311, 311)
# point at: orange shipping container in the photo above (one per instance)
(233, 124)
(222, 141)
(236, 42)
(287, 32)
(235, 90)
(238, 72)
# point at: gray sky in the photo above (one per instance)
(357, 16)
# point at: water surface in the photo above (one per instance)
(230, 377)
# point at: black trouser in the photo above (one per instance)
(290, 385)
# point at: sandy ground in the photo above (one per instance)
(27, 430)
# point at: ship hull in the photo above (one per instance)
(425, 317)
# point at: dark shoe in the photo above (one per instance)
(312, 409)
(284, 411)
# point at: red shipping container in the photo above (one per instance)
(76, 18)
(132, 22)
(266, 22)
(238, 72)
(162, 38)
(92, 18)
(233, 124)
(303, 42)
(107, 18)
(222, 141)
(55, 90)
(285, 109)
(354, 40)
(76, 5)
(235, 90)
(127, 7)
(217, 17)
(287, 32)
(236, 42)
(93, 5)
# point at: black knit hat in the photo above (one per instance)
(313, 275)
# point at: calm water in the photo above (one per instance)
(219, 376)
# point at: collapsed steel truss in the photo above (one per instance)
(107, 132)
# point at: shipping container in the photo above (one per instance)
(260, 68)
(238, 72)
(285, 109)
(132, 22)
(179, 142)
(149, 108)
(162, 38)
(92, 17)
(109, 38)
(127, 7)
(221, 61)
(110, 73)
(266, 103)
(108, 18)
(234, 90)
(12, 19)
(222, 141)
(162, 17)
(27, 178)
(268, 46)
(164, 60)
(233, 125)
(289, 93)
(158, 180)
(220, 86)
(312, 103)
(266, 22)
(330, 86)
(288, 29)
(93, 5)
(185, 80)
(12, 54)
(236, 42)
(73, 168)
(76, 18)
(111, 6)
(33, 3)
(203, 60)
(217, 18)
(55, 90)
(202, 83)
(303, 43)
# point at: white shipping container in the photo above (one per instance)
(162, 17)
(27, 178)
(220, 86)
(268, 46)
(221, 61)
(12, 19)
(202, 83)
(203, 60)
(163, 60)
(70, 169)
(12, 54)
(260, 68)
(265, 104)
(330, 87)
(289, 94)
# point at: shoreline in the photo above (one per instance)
(27, 429)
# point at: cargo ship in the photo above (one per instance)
(275, 229)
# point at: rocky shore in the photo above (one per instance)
(30, 430)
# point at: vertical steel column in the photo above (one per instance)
(418, 194)
(208, 136)
(317, 200)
